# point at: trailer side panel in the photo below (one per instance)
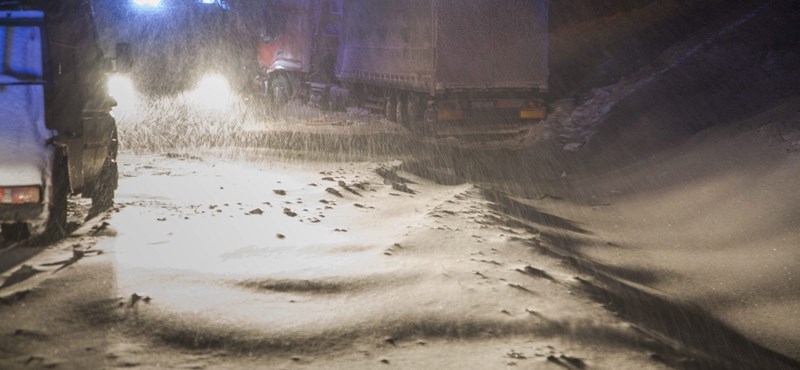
(388, 43)
(440, 45)
(498, 44)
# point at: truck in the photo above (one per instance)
(472, 65)
(57, 137)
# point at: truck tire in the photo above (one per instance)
(281, 90)
(414, 113)
(401, 102)
(56, 227)
(390, 105)
(414, 108)
(106, 184)
(103, 193)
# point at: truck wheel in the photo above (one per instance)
(281, 90)
(103, 193)
(413, 108)
(390, 104)
(414, 112)
(56, 227)
(402, 105)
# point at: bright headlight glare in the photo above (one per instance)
(121, 89)
(212, 92)
(148, 3)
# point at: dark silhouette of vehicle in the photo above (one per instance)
(58, 137)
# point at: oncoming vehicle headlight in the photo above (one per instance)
(148, 3)
(122, 90)
(213, 93)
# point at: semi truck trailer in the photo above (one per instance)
(428, 64)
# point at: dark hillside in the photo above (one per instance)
(595, 43)
(641, 80)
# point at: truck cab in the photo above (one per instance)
(57, 136)
(298, 43)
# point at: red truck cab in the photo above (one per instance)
(298, 40)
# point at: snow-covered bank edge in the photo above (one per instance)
(681, 326)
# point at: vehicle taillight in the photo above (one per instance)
(535, 110)
(27, 194)
(21, 194)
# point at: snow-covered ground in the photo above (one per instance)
(320, 265)
(226, 264)
(213, 263)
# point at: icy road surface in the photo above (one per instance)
(220, 264)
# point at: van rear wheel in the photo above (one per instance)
(56, 227)
(390, 107)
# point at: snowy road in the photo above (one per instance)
(265, 264)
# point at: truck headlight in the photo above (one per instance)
(212, 92)
(147, 3)
(122, 90)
